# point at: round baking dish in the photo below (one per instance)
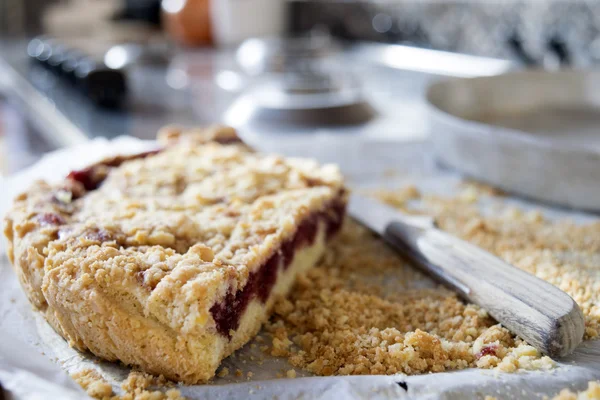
(534, 133)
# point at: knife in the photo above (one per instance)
(540, 313)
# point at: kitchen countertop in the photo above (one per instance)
(63, 116)
(393, 79)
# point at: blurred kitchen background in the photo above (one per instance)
(76, 69)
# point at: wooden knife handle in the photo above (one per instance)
(540, 313)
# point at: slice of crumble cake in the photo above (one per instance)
(171, 260)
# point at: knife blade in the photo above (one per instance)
(539, 312)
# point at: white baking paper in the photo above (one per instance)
(33, 357)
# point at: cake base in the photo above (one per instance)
(89, 321)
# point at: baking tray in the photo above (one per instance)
(534, 133)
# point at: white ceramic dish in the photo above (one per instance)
(534, 133)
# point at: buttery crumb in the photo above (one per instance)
(223, 372)
(363, 310)
(291, 373)
(400, 197)
(174, 394)
(481, 188)
(93, 383)
(135, 386)
(137, 380)
(591, 393)
(239, 373)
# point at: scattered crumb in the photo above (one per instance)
(482, 188)
(249, 374)
(398, 198)
(223, 372)
(363, 310)
(591, 393)
(291, 373)
(135, 386)
(137, 380)
(93, 383)
(239, 373)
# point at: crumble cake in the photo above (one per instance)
(171, 260)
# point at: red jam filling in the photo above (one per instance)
(489, 350)
(228, 140)
(228, 312)
(91, 177)
(98, 235)
(50, 219)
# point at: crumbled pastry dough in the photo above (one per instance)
(92, 382)
(348, 317)
(591, 393)
(290, 373)
(137, 386)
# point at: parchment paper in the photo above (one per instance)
(27, 343)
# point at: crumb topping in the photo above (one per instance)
(365, 311)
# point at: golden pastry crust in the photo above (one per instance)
(138, 259)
